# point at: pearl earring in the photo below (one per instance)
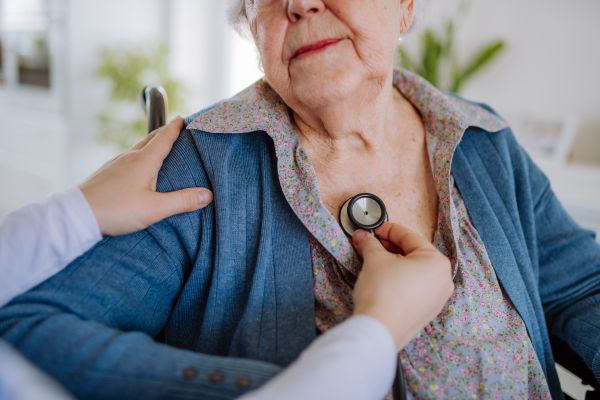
(400, 40)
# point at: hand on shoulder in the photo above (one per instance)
(122, 193)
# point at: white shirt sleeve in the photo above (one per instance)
(40, 239)
(355, 360)
(21, 380)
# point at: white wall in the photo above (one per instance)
(47, 137)
(200, 47)
(551, 66)
(92, 25)
(95, 24)
(244, 66)
(553, 55)
(196, 31)
(44, 148)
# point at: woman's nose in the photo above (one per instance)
(304, 9)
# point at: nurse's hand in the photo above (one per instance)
(123, 194)
(404, 292)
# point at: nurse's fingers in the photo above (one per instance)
(366, 244)
(160, 145)
(407, 240)
(138, 146)
(391, 247)
(181, 201)
(143, 142)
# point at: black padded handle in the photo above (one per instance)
(154, 101)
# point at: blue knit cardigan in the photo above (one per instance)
(229, 288)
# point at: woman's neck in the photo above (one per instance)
(358, 121)
(361, 127)
(376, 145)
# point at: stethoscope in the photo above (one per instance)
(367, 212)
(364, 211)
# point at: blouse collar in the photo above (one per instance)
(259, 107)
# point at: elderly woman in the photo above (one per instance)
(267, 267)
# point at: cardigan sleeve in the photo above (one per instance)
(569, 260)
(91, 326)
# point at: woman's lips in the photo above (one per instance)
(315, 47)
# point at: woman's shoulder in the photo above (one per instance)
(191, 118)
(481, 105)
(499, 131)
(494, 156)
(200, 157)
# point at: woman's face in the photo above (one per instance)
(317, 53)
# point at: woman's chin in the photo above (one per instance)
(325, 87)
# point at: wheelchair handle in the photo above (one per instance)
(155, 104)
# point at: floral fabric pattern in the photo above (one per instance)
(478, 346)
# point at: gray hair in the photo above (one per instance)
(237, 17)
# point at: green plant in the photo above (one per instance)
(438, 61)
(128, 70)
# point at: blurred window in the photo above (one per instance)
(25, 40)
(33, 59)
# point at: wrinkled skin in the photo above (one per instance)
(359, 64)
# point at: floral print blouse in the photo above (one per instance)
(478, 346)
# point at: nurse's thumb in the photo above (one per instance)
(185, 200)
(366, 244)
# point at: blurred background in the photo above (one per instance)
(70, 71)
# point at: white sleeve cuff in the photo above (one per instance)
(40, 239)
(80, 216)
(356, 359)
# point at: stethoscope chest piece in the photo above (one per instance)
(363, 211)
